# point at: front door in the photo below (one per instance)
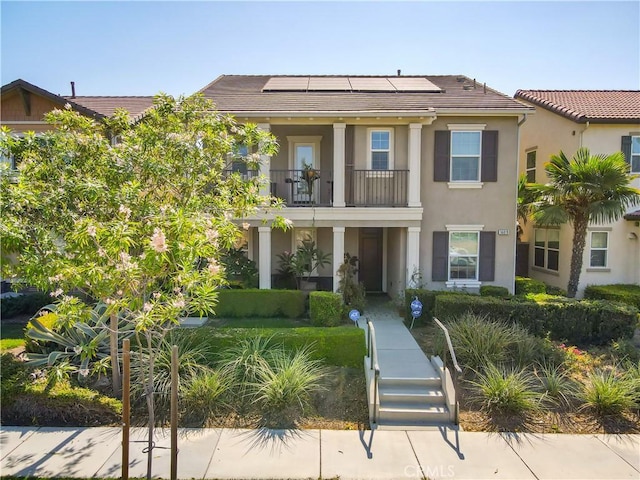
(371, 259)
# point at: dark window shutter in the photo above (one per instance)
(487, 261)
(442, 149)
(626, 147)
(489, 161)
(440, 260)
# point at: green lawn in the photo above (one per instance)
(11, 336)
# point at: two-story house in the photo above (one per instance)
(604, 122)
(415, 175)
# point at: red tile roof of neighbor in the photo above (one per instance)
(247, 94)
(633, 215)
(106, 106)
(597, 106)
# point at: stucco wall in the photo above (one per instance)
(493, 205)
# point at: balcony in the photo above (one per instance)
(363, 188)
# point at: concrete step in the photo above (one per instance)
(401, 412)
(404, 382)
(411, 394)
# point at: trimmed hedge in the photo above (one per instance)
(325, 309)
(428, 300)
(260, 303)
(580, 322)
(26, 304)
(525, 285)
(629, 294)
(494, 291)
(342, 346)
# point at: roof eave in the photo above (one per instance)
(330, 113)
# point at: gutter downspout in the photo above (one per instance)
(515, 220)
(582, 132)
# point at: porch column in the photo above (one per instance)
(339, 130)
(415, 137)
(264, 261)
(413, 253)
(338, 254)
(265, 166)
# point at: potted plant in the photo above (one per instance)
(308, 259)
(309, 175)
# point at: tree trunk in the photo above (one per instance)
(113, 347)
(579, 241)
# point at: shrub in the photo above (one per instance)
(25, 402)
(608, 392)
(494, 291)
(525, 285)
(260, 303)
(625, 349)
(353, 293)
(478, 341)
(325, 309)
(629, 294)
(203, 395)
(287, 380)
(48, 320)
(243, 360)
(578, 322)
(27, 304)
(505, 390)
(558, 388)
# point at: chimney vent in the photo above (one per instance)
(399, 72)
(73, 89)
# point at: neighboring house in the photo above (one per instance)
(604, 122)
(412, 174)
(23, 106)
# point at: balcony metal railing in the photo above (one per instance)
(376, 188)
(363, 188)
(300, 188)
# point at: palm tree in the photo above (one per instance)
(587, 188)
(526, 198)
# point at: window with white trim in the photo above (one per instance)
(300, 234)
(380, 149)
(598, 249)
(547, 248)
(466, 148)
(531, 166)
(463, 255)
(635, 154)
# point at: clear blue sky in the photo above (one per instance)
(141, 48)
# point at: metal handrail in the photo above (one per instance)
(455, 366)
(373, 365)
(448, 338)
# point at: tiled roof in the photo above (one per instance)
(244, 93)
(106, 106)
(633, 215)
(598, 106)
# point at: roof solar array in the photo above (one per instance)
(356, 84)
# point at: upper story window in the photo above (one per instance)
(547, 248)
(531, 166)
(465, 156)
(635, 154)
(598, 249)
(380, 149)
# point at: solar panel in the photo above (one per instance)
(286, 83)
(413, 84)
(329, 83)
(348, 84)
(371, 84)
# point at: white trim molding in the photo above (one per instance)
(465, 184)
(466, 126)
(464, 228)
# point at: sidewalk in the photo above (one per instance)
(303, 454)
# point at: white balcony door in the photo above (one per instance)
(305, 157)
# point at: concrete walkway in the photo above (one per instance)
(303, 454)
(399, 355)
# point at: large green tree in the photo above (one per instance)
(138, 224)
(587, 188)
